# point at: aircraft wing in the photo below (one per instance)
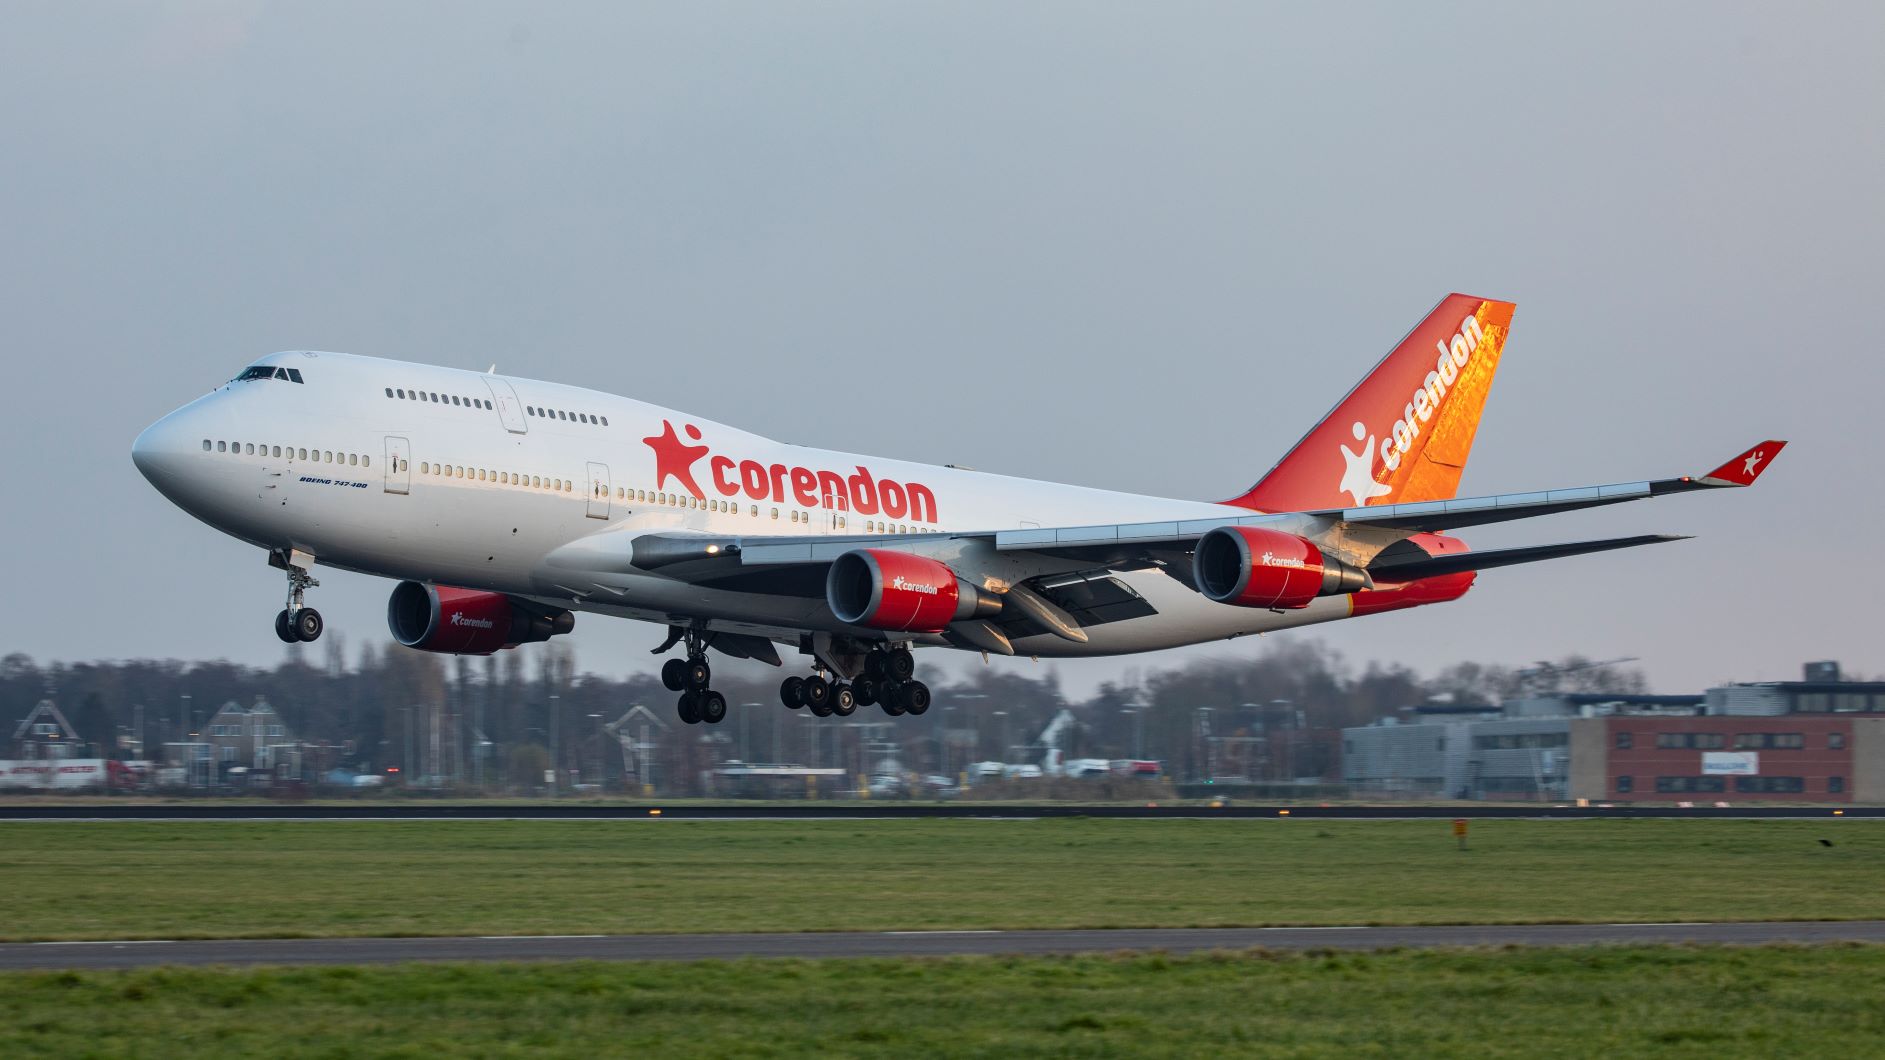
(1070, 566)
(690, 555)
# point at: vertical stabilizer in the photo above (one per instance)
(1404, 432)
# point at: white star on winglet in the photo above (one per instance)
(1358, 480)
(1749, 465)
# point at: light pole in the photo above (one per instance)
(1138, 730)
(601, 769)
(556, 760)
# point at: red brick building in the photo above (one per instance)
(1791, 757)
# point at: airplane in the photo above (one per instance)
(505, 505)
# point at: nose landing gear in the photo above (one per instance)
(297, 623)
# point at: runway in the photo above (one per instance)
(95, 955)
(864, 810)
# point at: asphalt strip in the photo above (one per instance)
(940, 943)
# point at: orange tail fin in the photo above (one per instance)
(1404, 432)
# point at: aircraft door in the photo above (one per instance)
(598, 491)
(509, 409)
(398, 465)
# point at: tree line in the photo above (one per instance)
(500, 721)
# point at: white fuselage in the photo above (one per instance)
(473, 480)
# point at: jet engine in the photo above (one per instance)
(890, 590)
(1252, 566)
(467, 621)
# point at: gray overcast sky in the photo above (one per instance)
(1135, 246)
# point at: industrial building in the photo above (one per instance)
(1817, 740)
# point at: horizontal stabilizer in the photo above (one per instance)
(1395, 565)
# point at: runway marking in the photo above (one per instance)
(509, 938)
(146, 942)
(947, 931)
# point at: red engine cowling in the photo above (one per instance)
(890, 590)
(467, 621)
(1253, 566)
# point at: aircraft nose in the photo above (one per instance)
(160, 450)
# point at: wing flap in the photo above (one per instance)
(1408, 566)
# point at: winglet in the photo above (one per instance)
(1744, 469)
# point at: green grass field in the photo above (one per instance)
(73, 880)
(1766, 1001)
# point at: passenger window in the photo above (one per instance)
(222, 447)
(353, 459)
(366, 461)
(775, 513)
(561, 415)
(423, 468)
(389, 391)
(206, 445)
(251, 449)
(304, 454)
(605, 421)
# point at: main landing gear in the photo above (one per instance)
(691, 678)
(888, 680)
(297, 623)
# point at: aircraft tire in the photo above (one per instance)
(821, 710)
(792, 692)
(713, 707)
(816, 691)
(891, 699)
(902, 665)
(307, 624)
(674, 675)
(843, 701)
(688, 709)
(866, 690)
(284, 628)
(914, 698)
(699, 675)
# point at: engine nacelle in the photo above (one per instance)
(466, 621)
(1252, 566)
(886, 589)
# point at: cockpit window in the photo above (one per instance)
(269, 371)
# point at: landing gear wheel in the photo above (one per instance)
(688, 708)
(674, 675)
(874, 665)
(866, 690)
(307, 624)
(902, 665)
(914, 698)
(713, 707)
(792, 692)
(843, 701)
(816, 692)
(284, 628)
(891, 699)
(699, 675)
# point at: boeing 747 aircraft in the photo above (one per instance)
(505, 505)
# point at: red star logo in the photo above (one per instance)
(676, 458)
